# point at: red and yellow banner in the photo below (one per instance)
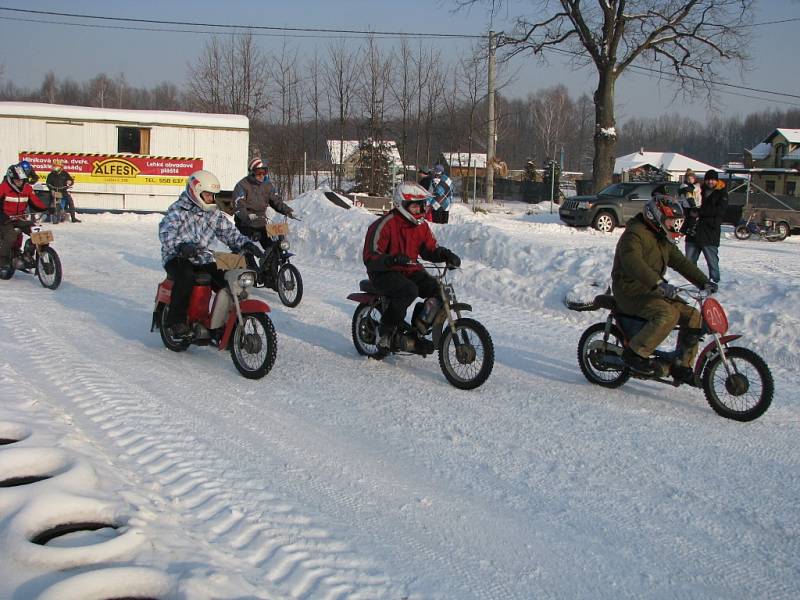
(116, 168)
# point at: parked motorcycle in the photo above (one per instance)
(466, 351)
(37, 255)
(736, 381)
(225, 319)
(274, 269)
(767, 229)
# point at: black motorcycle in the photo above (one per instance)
(274, 269)
(36, 256)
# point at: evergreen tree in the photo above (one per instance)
(373, 169)
(530, 173)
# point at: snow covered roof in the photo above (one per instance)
(792, 155)
(461, 159)
(792, 135)
(666, 161)
(38, 110)
(761, 151)
(350, 147)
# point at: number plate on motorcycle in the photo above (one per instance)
(227, 261)
(41, 237)
(276, 229)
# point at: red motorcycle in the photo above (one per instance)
(225, 319)
(736, 381)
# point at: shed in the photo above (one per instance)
(124, 159)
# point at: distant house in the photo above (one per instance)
(346, 154)
(458, 164)
(674, 165)
(779, 157)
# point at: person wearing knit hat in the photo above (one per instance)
(706, 237)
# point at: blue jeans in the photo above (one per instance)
(711, 254)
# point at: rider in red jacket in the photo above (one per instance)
(15, 196)
(392, 246)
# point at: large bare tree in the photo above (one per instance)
(229, 77)
(684, 40)
(340, 72)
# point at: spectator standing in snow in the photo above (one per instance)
(441, 189)
(689, 194)
(714, 203)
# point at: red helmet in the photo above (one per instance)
(409, 192)
(660, 208)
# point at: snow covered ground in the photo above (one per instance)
(340, 477)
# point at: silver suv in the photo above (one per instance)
(613, 206)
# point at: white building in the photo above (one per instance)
(124, 159)
(346, 154)
(671, 162)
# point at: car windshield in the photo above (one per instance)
(618, 190)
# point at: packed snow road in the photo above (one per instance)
(336, 476)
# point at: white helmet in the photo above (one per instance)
(199, 182)
(408, 192)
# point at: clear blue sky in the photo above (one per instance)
(29, 50)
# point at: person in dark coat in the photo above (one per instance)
(58, 182)
(643, 253)
(709, 217)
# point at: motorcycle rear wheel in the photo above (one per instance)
(745, 394)
(468, 366)
(290, 285)
(364, 329)
(170, 342)
(742, 232)
(48, 268)
(254, 345)
(7, 272)
(590, 362)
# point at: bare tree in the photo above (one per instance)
(49, 88)
(551, 115)
(680, 39)
(228, 77)
(423, 61)
(372, 91)
(403, 90)
(314, 98)
(340, 80)
(287, 144)
(100, 90)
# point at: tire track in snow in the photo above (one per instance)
(285, 550)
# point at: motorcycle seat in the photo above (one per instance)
(199, 278)
(365, 285)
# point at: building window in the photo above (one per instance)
(780, 152)
(790, 188)
(770, 186)
(133, 139)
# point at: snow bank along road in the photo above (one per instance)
(340, 477)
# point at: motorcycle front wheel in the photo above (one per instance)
(254, 345)
(7, 272)
(466, 358)
(743, 394)
(742, 232)
(592, 357)
(290, 285)
(365, 331)
(48, 268)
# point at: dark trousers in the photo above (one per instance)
(10, 239)
(440, 216)
(258, 235)
(401, 289)
(182, 272)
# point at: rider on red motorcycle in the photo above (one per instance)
(16, 194)
(392, 246)
(643, 253)
(186, 232)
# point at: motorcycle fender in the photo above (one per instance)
(288, 255)
(247, 306)
(459, 306)
(164, 292)
(362, 297)
(155, 318)
(708, 352)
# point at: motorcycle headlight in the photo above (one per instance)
(247, 279)
(284, 244)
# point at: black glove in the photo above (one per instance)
(451, 258)
(187, 250)
(711, 287)
(289, 213)
(397, 259)
(669, 291)
(251, 248)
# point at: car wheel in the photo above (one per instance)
(605, 222)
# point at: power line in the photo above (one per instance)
(246, 27)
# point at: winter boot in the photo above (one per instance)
(640, 364)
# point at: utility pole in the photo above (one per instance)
(490, 146)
